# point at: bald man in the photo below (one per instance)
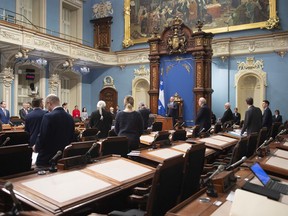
(227, 115)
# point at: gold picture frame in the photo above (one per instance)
(220, 17)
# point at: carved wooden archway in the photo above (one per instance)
(179, 39)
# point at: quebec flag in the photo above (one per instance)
(161, 100)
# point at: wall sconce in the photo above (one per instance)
(281, 53)
(223, 58)
(122, 67)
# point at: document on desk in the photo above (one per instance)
(278, 162)
(119, 170)
(224, 209)
(281, 153)
(146, 139)
(214, 143)
(63, 187)
(182, 147)
(250, 204)
(224, 138)
(165, 153)
(285, 144)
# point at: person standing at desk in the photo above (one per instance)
(56, 132)
(228, 115)
(24, 111)
(4, 113)
(203, 117)
(172, 109)
(236, 116)
(253, 118)
(145, 112)
(33, 120)
(129, 123)
(277, 117)
(101, 119)
(267, 115)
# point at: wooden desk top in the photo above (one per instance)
(193, 206)
(219, 142)
(64, 191)
(179, 147)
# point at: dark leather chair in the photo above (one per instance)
(165, 189)
(15, 137)
(193, 168)
(195, 132)
(81, 148)
(89, 134)
(179, 135)
(115, 145)
(274, 129)
(252, 144)
(157, 126)
(239, 150)
(262, 136)
(15, 159)
(217, 128)
(161, 139)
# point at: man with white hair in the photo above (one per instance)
(203, 118)
(101, 119)
(56, 131)
(227, 115)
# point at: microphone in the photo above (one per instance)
(16, 204)
(281, 132)
(91, 148)
(265, 143)
(203, 129)
(5, 141)
(53, 161)
(97, 134)
(237, 163)
(55, 156)
(219, 169)
(182, 124)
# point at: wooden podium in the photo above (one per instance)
(166, 121)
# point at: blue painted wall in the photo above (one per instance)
(53, 17)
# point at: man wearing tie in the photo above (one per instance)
(4, 113)
(24, 111)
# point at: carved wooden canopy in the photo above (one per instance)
(178, 39)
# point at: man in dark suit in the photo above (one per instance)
(267, 115)
(277, 117)
(24, 111)
(227, 115)
(56, 131)
(203, 118)
(253, 118)
(236, 116)
(4, 113)
(172, 110)
(33, 120)
(145, 112)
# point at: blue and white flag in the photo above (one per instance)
(161, 100)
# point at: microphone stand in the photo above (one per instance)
(53, 167)
(211, 192)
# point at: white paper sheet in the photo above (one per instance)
(281, 153)
(119, 170)
(66, 186)
(165, 153)
(182, 147)
(278, 162)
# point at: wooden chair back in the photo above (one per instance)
(81, 148)
(179, 134)
(115, 145)
(15, 137)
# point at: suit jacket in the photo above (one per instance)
(103, 125)
(252, 121)
(277, 119)
(237, 118)
(33, 122)
(56, 132)
(23, 114)
(5, 119)
(203, 118)
(227, 116)
(145, 115)
(267, 118)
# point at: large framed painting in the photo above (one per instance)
(142, 16)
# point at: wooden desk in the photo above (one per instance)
(66, 192)
(156, 156)
(167, 122)
(219, 142)
(276, 165)
(192, 206)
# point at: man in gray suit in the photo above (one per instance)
(253, 118)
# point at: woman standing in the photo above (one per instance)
(129, 123)
(101, 119)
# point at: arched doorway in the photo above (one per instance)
(250, 81)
